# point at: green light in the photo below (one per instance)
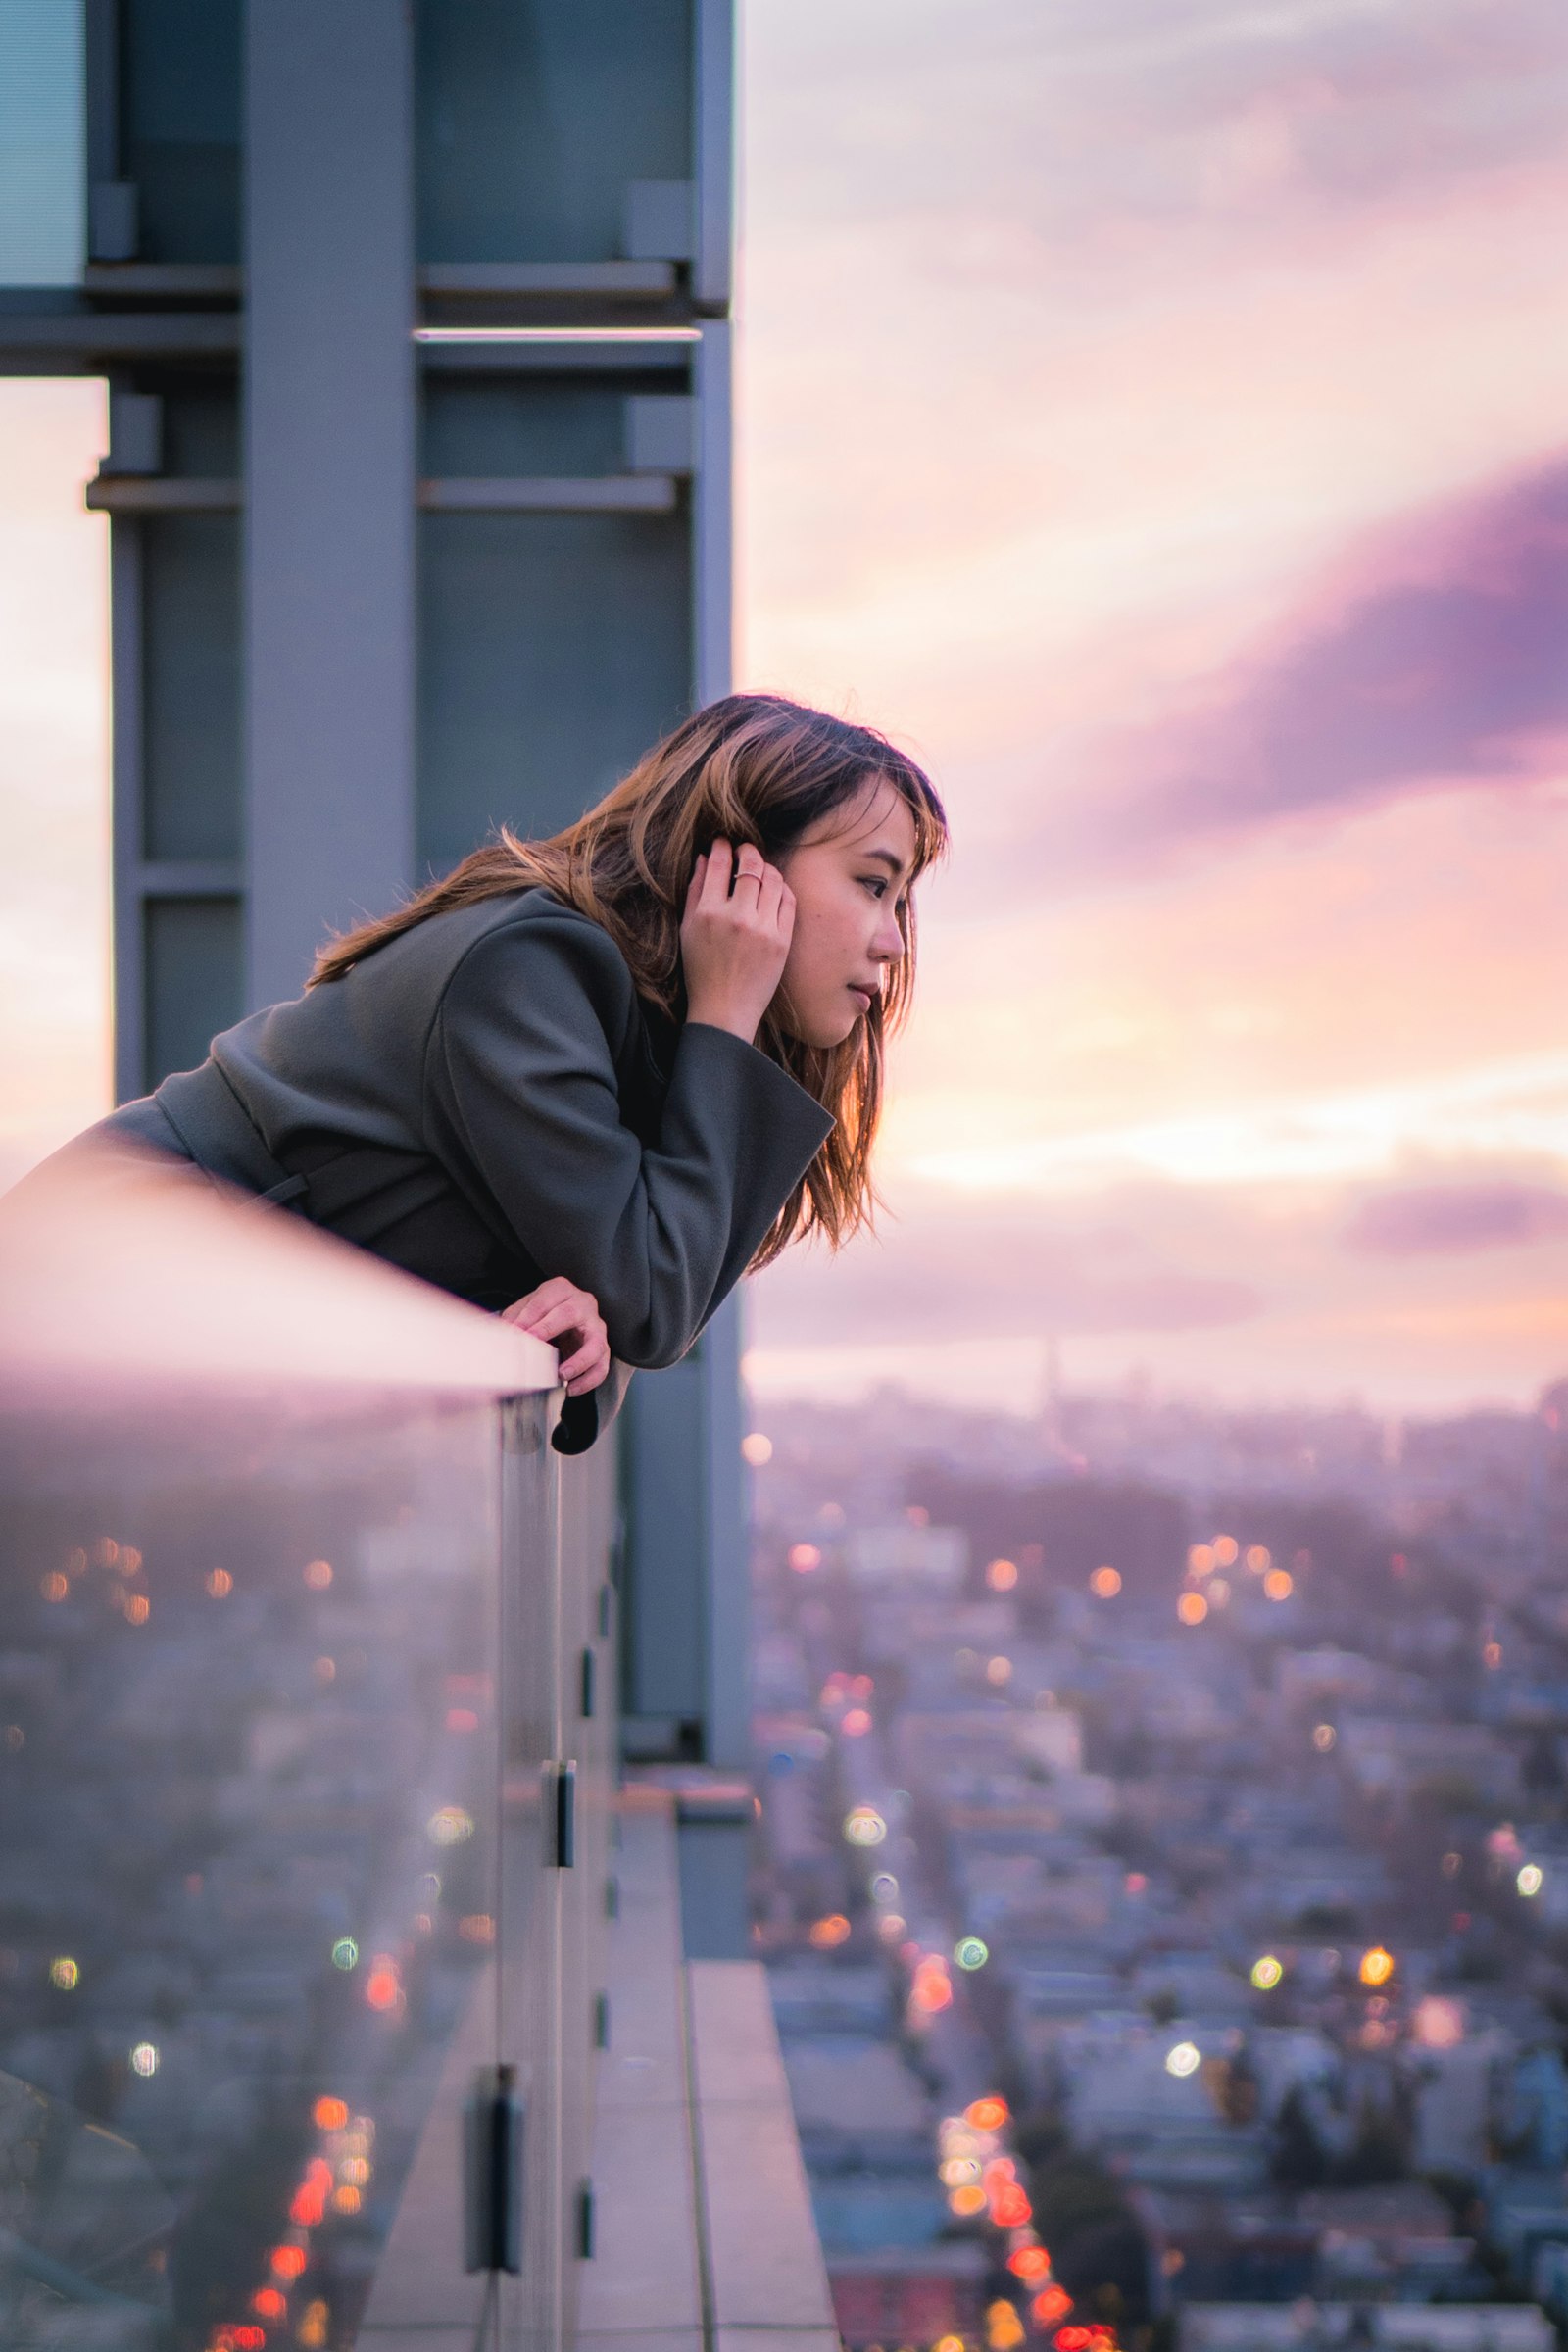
(970, 1953)
(345, 1953)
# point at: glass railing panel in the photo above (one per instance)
(248, 1819)
(252, 1721)
(588, 1665)
(558, 1713)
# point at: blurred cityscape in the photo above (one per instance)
(1164, 1870)
(246, 1776)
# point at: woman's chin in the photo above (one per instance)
(823, 1034)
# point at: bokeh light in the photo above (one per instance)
(756, 1450)
(1106, 1582)
(1192, 1608)
(382, 1987)
(450, 1826)
(1002, 1575)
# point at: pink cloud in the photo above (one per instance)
(1438, 657)
(1451, 1219)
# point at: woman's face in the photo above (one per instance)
(849, 874)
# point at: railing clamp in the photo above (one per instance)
(560, 1814)
(492, 2171)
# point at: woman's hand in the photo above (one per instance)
(559, 1312)
(734, 938)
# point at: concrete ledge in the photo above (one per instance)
(422, 2301)
(778, 2339)
(644, 2285)
(765, 2262)
(705, 2240)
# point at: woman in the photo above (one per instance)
(610, 1071)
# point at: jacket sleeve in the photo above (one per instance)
(525, 1056)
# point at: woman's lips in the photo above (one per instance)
(868, 995)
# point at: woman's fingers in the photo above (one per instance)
(569, 1316)
(751, 872)
(735, 937)
(558, 1310)
(525, 1312)
(586, 1370)
(715, 879)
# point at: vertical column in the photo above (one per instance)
(329, 450)
(125, 642)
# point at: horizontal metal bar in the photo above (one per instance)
(549, 494)
(600, 338)
(193, 878)
(646, 280)
(164, 494)
(521, 351)
(70, 335)
(170, 281)
(502, 494)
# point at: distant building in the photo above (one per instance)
(929, 1559)
(912, 2297)
(1307, 2326)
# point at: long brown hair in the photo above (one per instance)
(751, 767)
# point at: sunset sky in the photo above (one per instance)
(1154, 413)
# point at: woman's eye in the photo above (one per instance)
(876, 884)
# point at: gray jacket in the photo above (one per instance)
(486, 1102)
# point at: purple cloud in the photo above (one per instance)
(974, 1271)
(1444, 664)
(1094, 115)
(1452, 1219)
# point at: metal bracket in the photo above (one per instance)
(560, 1814)
(492, 2172)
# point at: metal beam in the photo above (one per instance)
(124, 656)
(329, 471)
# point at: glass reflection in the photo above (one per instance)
(245, 1895)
